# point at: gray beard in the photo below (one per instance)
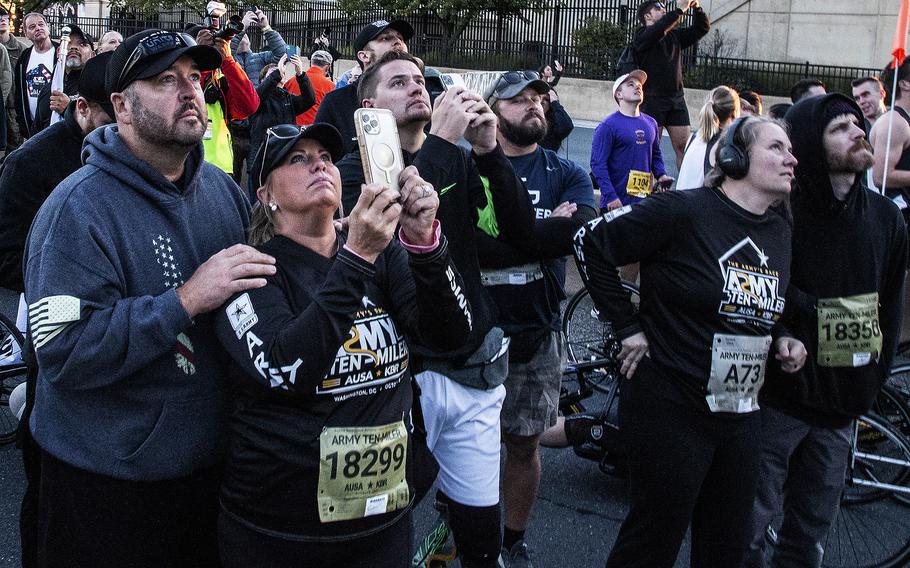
(73, 64)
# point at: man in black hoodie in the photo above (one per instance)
(844, 303)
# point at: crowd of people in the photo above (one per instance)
(275, 374)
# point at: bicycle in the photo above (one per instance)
(13, 372)
(589, 336)
(879, 467)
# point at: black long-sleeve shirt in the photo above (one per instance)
(473, 191)
(658, 50)
(277, 106)
(708, 267)
(322, 345)
(27, 177)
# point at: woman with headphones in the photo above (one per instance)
(714, 270)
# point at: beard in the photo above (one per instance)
(524, 133)
(73, 63)
(857, 159)
(156, 129)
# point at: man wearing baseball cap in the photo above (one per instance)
(373, 41)
(320, 67)
(625, 153)
(123, 263)
(527, 289)
(81, 49)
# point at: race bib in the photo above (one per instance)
(639, 184)
(849, 334)
(362, 471)
(737, 372)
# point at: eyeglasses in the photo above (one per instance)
(281, 132)
(153, 44)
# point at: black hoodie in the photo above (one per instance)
(840, 249)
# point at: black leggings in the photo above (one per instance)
(242, 547)
(685, 465)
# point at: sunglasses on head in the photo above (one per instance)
(154, 44)
(281, 132)
(515, 77)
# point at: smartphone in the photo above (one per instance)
(380, 148)
(450, 80)
(289, 70)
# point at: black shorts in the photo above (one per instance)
(667, 111)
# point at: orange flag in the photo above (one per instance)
(899, 44)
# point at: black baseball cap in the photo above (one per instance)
(511, 83)
(150, 52)
(279, 140)
(93, 82)
(371, 31)
(76, 30)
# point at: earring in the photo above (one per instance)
(273, 206)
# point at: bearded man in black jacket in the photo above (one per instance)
(844, 303)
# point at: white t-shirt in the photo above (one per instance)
(692, 170)
(38, 73)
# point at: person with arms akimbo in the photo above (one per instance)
(715, 262)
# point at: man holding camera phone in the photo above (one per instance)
(461, 392)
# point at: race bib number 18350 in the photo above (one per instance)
(362, 471)
(849, 333)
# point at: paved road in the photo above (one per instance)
(577, 513)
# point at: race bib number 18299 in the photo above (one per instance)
(362, 471)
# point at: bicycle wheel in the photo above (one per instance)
(891, 405)
(899, 384)
(588, 335)
(871, 533)
(12, 373)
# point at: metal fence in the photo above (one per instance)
(768, 77)
(492, 41)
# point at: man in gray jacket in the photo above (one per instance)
(130, 402)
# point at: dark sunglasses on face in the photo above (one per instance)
(515, 77)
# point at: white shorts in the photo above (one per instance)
(463, 433)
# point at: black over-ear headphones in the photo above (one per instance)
(733, 158)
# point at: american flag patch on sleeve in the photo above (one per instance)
(49, 316)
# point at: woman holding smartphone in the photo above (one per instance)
(320, 468)
(714, 269)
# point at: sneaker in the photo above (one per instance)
(519, 556)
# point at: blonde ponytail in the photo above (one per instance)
(721, 104)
